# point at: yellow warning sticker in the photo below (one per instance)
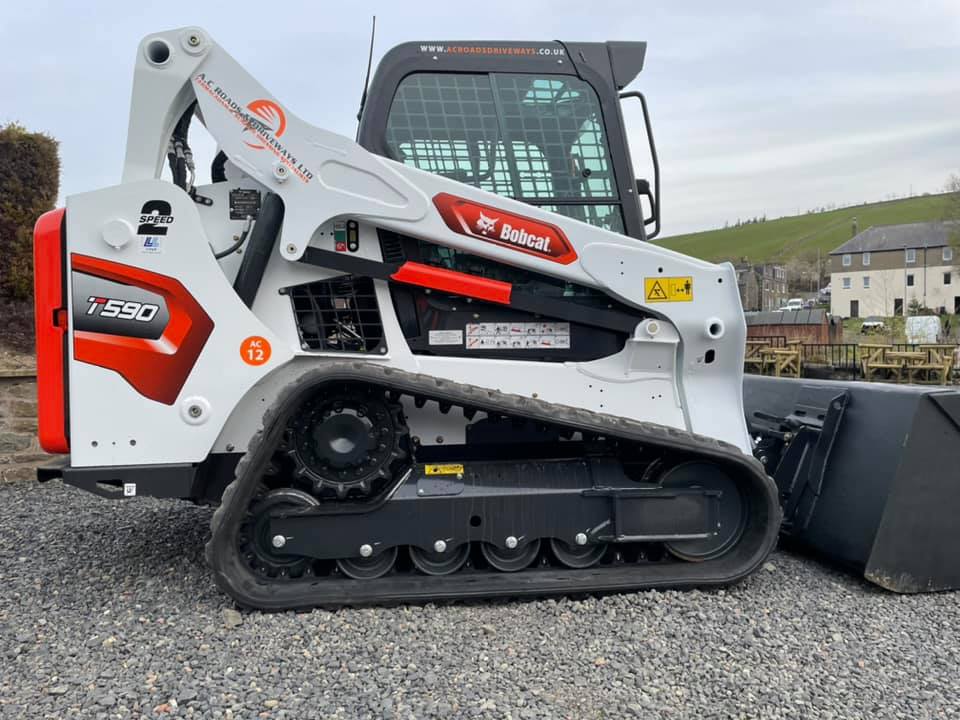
(445, 469)
(668, 289)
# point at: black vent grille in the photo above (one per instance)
(391, 247)
(337, 315)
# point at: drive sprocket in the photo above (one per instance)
(348, 441)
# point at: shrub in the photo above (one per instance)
(29, 182)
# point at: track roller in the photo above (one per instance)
(430, 562)
(575, 556)
(506, 560)
(368, 568)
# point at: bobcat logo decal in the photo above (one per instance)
(486, 225)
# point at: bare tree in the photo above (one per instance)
(951, 211)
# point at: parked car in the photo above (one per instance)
(793, 304)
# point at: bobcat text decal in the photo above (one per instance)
(505, 228)
(265, 119)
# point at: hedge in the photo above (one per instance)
(29, 183)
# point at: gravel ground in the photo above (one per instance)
(107, 610)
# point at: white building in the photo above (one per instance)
(885, 268)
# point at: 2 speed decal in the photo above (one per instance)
(156, 216)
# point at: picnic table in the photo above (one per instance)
(753, 358)
(908, 360)
(783, 361)
(935, 367)
(929, 364)
(876, 363)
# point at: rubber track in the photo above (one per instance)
(234, 577)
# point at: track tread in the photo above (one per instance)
(249, 592)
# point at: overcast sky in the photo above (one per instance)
(759, 107)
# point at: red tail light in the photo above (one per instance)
(50, 308)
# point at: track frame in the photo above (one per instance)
(235, 578)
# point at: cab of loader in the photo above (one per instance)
(536, 122)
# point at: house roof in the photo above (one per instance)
(899, 237)
(786, 317)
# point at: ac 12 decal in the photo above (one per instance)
(502, 227)
(155, 217)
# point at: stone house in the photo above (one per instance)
(762, 287)
(883, 269)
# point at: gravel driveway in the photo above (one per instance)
(107, 610)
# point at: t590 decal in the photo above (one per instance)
(145, 326)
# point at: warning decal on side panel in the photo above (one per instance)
(668, 289)
(518, 336)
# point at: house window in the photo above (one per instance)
(846, 283)
(911, 255)
(946, 278)
(909, 280)
(846, 261)
(948, 254)
(866, 259)
(866, 282)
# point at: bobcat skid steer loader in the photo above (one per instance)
(438, 362)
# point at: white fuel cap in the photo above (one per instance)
(117, 233)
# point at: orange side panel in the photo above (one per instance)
(51, 328)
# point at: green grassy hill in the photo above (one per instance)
(802, 235)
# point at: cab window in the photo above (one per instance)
(539, 139)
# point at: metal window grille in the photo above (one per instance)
(605, 216)
(517, 135)
(338, 315)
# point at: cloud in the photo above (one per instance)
(756, 107)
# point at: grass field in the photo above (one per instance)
(802, 235)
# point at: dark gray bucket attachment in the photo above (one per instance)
(869, 474)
